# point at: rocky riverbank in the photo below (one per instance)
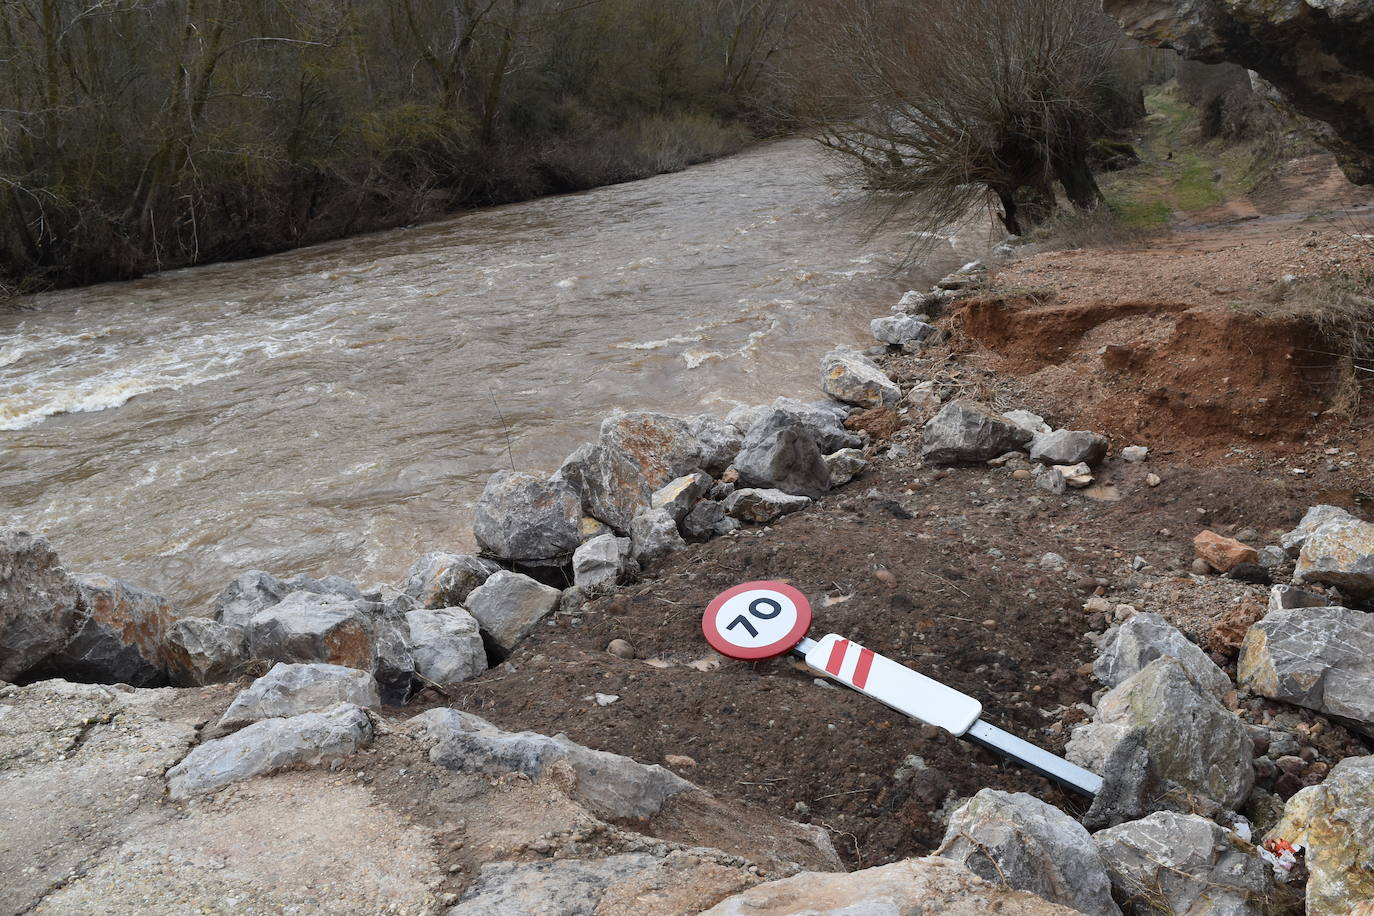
(541, 729)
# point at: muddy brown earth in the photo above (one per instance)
(942, 570)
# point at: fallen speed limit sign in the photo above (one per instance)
(756, 620)
(759, 620)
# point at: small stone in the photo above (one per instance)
(1053, 561)
(1030, 422)
(1200, 567)
(1053, 480)
(1022, 474)
(620, 648)
(845, 465)
(605, 699)
(1077, 476)
(679, 760)
(1152, 480)
(1135, 453)
(1273, 557)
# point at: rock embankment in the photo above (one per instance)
(208, 791)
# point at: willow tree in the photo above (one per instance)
(941, 102)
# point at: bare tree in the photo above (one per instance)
(940, 102)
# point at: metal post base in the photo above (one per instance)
(1038, 759)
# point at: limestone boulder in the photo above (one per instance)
(1339, 552)
(527, 518)
(118, 635)
(39, 602)
(849, 376)
(662, 447)
(603, 561)
(780, 453)
(1146, 637)
(292, 690)
(1018, 840)
(761, 506)
(903, 329)
(1069, 446)
(1191, 738)
(611, 486)
(255, 590)
(1185, 864)
(845, 465)
(911, 887)
(608, 784)
(1312, 519)
(508, 605)
(445, 645)
(1320, 657)
(199, 651)
(440, 580)
(306, 627)
(824, 420)
(964, 432)
(270, 745)
(393, 663)
(654, 535)
(1334, 822)
(718, 441)
(680, 495)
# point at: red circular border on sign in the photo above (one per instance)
(794, 636)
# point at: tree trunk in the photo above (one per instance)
(1072, 169)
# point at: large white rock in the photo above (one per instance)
(1318, 657)
(524, 517)
(290, 690)
(446, 645)
(1069, 446)
(309, 627)
(780, 452)
(1191, 738)
(1313, 519)
(654, 535)
(1334, 821)
(964, 432)
(847, 375)
(509, 605)
(1185, 863)
(1018, 840)
(270, 745)
(1339, 552)
(604, 560)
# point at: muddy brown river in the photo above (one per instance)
(337, 409)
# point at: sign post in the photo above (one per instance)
(760, 620)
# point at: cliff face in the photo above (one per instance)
(1317, 54)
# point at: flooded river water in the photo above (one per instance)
(337, 409)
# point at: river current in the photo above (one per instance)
(337, 409)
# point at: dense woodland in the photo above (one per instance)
(137, 135)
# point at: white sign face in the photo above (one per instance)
(756, 620)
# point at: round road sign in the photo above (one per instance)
(756, 620)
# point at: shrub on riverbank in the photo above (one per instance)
(141, 135)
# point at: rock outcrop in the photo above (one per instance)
(1318, 54)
